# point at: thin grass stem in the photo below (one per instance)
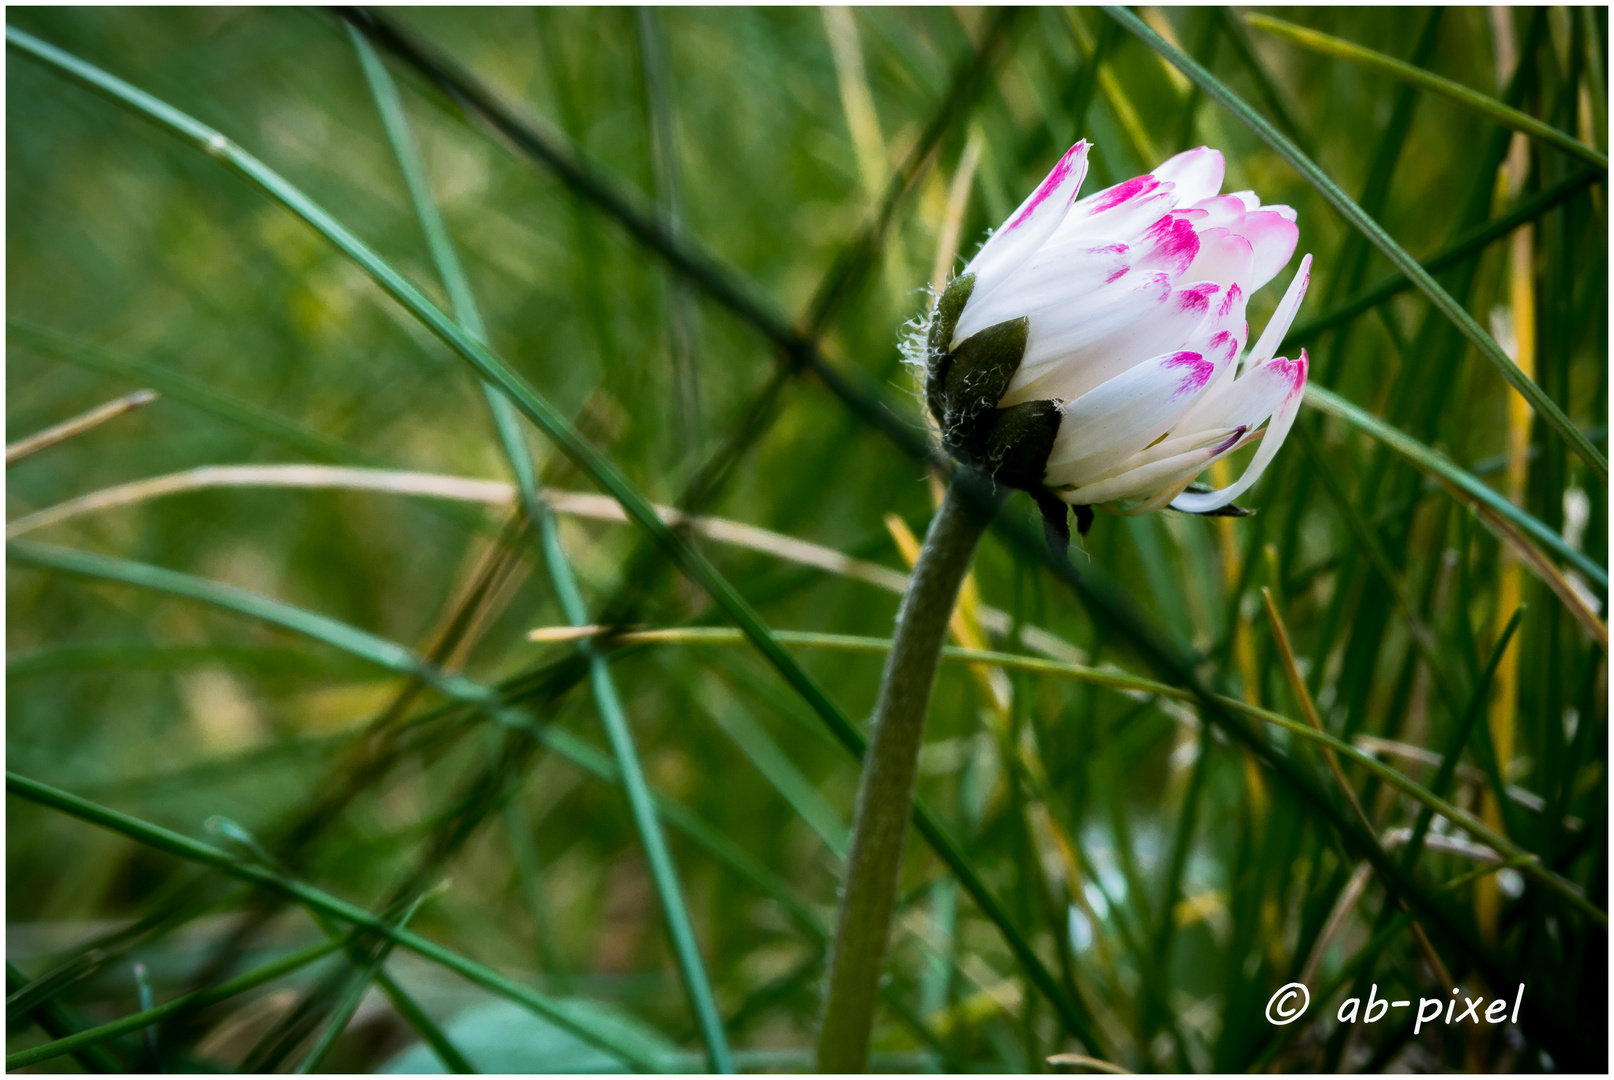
(1488, 107)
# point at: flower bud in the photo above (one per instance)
(1093, 350)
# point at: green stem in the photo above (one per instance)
(885, 795)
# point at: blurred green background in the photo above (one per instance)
(1167, 880)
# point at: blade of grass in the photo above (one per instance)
(1126, 682)
(1308, 709)
(579, 1022)
(1488, 107)
(342, 1015)
(1239, 36)
(56, 1022)
(682, 318)
(1548, 410)
(78, 425)
(424, 1025)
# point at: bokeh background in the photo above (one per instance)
(1167, 878)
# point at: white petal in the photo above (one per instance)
(1250, 200)
(1288, 376)
(1197, 174)
(1283, 317)
(1043, 282)
(1061, 330)
(1146, 479)
(1107, 425)
(1224, 329)
(1125, 221)
(1165, 328)
(1034, 221)
(1116, 195)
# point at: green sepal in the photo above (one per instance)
(1015, 445)
(938, 352)
(976, 380)
(948, 310)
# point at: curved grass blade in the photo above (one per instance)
(662, 871)
(377, 650)
(579, 1023)
(1460, 482)
(583, 454)
(1549, 411)
(1412, 75)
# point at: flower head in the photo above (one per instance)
(1093, 351)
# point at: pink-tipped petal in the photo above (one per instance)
(1110, 198)
(1272, 337)
(1223, 256)
(1273, 238)
(1285, 376)
(1153, 330)
(1035, 220)
(1170, 244)
(1196, 173)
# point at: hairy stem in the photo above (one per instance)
(885, 794)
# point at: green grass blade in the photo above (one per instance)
(58, 1023)
(424, 1025)
(1553, 416)
(378, 651)
(777, 768)
(1412, 75)
(166, 840)
(1452, 476)
(1238, 35)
